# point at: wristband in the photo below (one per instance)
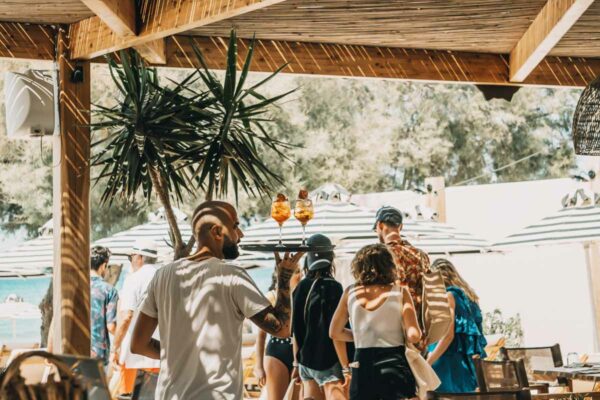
(346, 371)
(295, 364)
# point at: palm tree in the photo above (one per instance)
(169, 140)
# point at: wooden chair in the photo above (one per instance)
(536, 358)
(505, 395)
(90, 371)
(567, 396)
(145, 385)
(495, 376)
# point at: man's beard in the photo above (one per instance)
(230, 249)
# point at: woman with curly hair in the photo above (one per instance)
(452, 356)
(383, 320)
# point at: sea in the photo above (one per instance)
(33, 289)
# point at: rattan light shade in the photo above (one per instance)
(586, 121)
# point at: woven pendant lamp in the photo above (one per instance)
(586, 121)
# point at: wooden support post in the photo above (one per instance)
(592, 257)
(592, 254)
(72, 208)
(436, 197)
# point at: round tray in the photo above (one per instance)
(291, 247)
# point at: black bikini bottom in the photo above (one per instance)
(281, 349)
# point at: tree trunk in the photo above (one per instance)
(46, 311)
(179, 249)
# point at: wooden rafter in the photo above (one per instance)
(554, 20)
(119, 15)
(381, 62)
(35, 42)
(159, 19)
(155, 51)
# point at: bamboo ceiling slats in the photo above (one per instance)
(490, 26)
(36, 42)
(43, 11)
(159, 18)
(381, 62)
(583, 39)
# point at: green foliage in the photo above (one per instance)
(510, 328)
(179, 139)
(368, 135)
(376, 135)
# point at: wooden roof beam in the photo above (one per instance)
(325, 59)
(92, 37)
(121, 17)
(549, 26)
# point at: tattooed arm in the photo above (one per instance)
(276, 319)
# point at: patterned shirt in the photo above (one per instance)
(412, 263)
(104, 299)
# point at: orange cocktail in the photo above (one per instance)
(281, 212)
(304, 212)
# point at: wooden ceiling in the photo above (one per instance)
(483, 26)
(553, 42)
(583, 39)
(43, 11)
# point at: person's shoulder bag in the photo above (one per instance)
(425, 377)
(435, 310)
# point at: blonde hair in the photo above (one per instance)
(453, 278)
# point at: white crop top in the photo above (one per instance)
(381, 327)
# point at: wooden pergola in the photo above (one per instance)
(497, 42)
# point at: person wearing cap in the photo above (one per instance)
(320, 362)
(143, 257)
(411, 262)
(199, 305)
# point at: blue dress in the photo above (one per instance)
(455, 367)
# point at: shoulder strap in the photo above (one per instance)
(308, 298)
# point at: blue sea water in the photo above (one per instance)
(33, 289)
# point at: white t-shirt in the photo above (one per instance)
(131, 297)
(200, 307)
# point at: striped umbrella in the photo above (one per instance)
(351, 227)
(568, 225)
(121, 244)
(576, 222)
(35, 257)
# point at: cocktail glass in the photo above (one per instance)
(280, 212)
(304, 212)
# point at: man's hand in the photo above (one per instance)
(287, 266)
(114, 359)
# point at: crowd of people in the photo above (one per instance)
(185, 319)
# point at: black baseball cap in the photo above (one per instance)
(388, 214)
(318, 260)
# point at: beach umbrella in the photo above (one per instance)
(351, 227)
(578, 221)
(121, 244)
(13, 310)
(32, 257)
(36, 256)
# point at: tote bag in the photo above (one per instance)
(435, 311)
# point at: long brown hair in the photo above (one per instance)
(453, 278)
(374, 265)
